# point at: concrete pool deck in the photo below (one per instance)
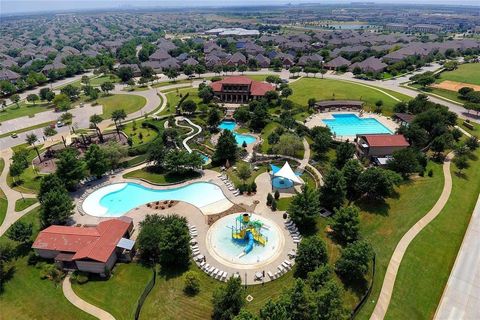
(316, 120)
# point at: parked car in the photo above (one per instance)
(60, 124)
(14, 135)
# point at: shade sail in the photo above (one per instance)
(287, 173)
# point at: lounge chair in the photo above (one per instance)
(225, 275)
(296, 240)
(271, 276)
(206, 266)
(214, 273)
(281, 269)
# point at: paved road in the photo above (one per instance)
(461, 298)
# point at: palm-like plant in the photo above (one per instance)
(31, 139)
(95, 120)
(117, 117)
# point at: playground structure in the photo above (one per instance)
(249, 231)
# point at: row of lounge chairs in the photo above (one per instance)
(293, 230)
(93, 178)
(214, 272)
(229, 184)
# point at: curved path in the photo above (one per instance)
(192, 133)
(389, 281)
(82, 304)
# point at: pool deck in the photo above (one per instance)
(199, 216)
(316, 121)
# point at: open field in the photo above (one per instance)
(418, 288)
(328, 89)
(468, 72)
(135, 130)
(129, 103)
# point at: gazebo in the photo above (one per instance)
(285, 177)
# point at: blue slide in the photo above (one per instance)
(249, 246)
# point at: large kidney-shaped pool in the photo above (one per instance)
(119, 198)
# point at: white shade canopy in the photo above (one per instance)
(287, 173)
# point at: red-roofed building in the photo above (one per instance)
(380, 145)
(240, 89)
(91, 249)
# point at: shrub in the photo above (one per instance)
(242, 188)
(79, 277)
(32, 259)
(269, 199)
(430, 173)
(277, 195)
(274, 205)
(253, 187)
(191, 283)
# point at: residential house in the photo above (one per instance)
(336, 63)
(379, 145)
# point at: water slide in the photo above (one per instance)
(249, 246)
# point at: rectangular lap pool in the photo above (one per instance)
(350, 124)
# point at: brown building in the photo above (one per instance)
(89, 249)
(240, 89)
(380, 145)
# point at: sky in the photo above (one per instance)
(31, 6)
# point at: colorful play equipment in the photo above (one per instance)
(247, 230)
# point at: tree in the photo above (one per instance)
(31, 139)
(48, 183)
(32, 98)
(378, 183)
(95, 119)
(97, 162)
(472, 143)
(228, 300)
(288, 145)
(322, 140)
(316, 279)
(300, 307)
(213, 118)
(107, 87)
(329, 303)
(461, 162)
(114, 152)
(353, 263)
(273, 79)
(244, 172)
(311, 254)
(305, 207)
(405, 162)
(43, 93)
(117, 117)
(378, 106)
(311, 103)
(464, 91)
(156, 153)
(206, 94)
(61, 102)
(242, 114)
(191, 283)
(125, 73)
(189, 106)
(346, 224)
(226, 148)
(56, 207)
(200, 69)
(242, 68)
(334, 189)
(70, 169)
(171, 74)
(15, 99)
(351, 171)
(19, 163)
(85, 80)
(344, 152)
(286, 92)
(180, 161)
(441, 143)
(275, 310)
(20, 231)
(70, 91)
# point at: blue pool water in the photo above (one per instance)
(279, 182)
(240, 138)
(117, 199)
(350, 125)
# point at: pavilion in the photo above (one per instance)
(285, 177)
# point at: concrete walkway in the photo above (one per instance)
(461, 297)
(11, 195)
(389, 281)
(193, 133)
(82, 304)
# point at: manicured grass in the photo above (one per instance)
(3, 198)
(159, 178)
(174, 96)
(95, 81)
(169, 83)
(23, 204)
(384, 224)
(451, 95)
(269, 128)
(118, 294)
(328, 89)
(476, 127)
(37, 126)
(24, 109)
(426, 266)
(468, 72)
(283, 203)
(29, 180)
(127, 102)
(257, 77)
(232, 175)
(26, 296)
(147, 133)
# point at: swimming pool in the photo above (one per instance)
(349, 124)
(280, 182)
(240, 138)
(119, 198)
(231, 251)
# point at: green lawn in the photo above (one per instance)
(169, 83)
(25, 129)
(127, 102)
(269, 128)
(24, 109)
(23, 204)
(29, 180)
(257, 77)
(451, 95)
(26, 296)
(468, 72)
(119, 294)
(146, 133)
(159, 178)
(174, 96)
(3, 198)
(94, 81)
(426, 266)
(328, 89)
(384, 224)
(232, 175)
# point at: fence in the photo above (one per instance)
(145, 293)
(367, 293)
